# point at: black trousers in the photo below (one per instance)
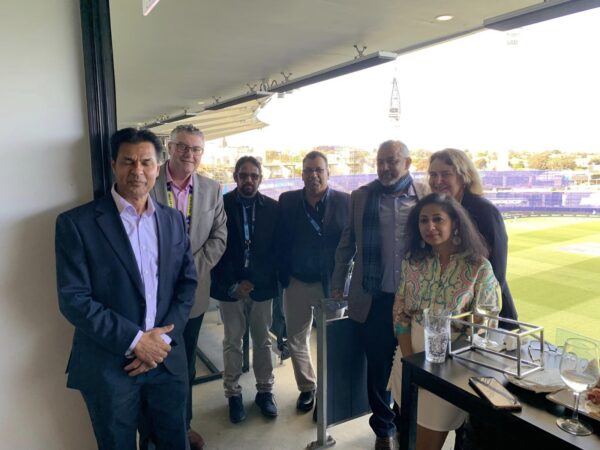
(157, 397)
(377, 335)
(190, 339)
(278, 325)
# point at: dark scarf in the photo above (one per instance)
(371, 281)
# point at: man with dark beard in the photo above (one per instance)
(375, 239)
(245, 282)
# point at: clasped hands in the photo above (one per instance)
(150, 351)
(338, 294)
(243, 290)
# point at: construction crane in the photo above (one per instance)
(394, 113)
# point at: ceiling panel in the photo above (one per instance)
(190, 51)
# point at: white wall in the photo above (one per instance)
(44, 169)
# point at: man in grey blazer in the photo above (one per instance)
(201, 203)
(375, 239)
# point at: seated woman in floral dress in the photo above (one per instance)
(446, 268)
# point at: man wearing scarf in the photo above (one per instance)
(375, 239)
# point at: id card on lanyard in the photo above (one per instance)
(248, 231)
(311, 219)
(171, 202)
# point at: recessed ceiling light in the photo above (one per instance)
(201, 103)
(444, 18)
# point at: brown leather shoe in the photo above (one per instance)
(196, 441)
(386, 443)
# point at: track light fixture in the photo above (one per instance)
(549, 9)
(168, 119)
(252, 95)
(359, 63)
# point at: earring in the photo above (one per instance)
(456, 240)
(422, 243)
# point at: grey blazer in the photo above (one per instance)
(208, 230)
(351, 245)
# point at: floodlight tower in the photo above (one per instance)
(394, 113)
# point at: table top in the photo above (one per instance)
(451, 381)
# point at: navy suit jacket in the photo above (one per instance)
(101, 293)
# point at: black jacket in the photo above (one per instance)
(263, 265)
(293, 223)
(490, 224)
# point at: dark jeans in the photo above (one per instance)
(190, 339)
(377, 335)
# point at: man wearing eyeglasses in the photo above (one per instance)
(199, 199)
(375, 240)
(245, 282)
(311, 223)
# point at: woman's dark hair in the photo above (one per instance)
(134, 136)
(471, 241)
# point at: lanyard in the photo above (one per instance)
(248, 231)
(171, 202)
(310, 218)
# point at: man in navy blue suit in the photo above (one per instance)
(126, 281)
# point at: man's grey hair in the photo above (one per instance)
(396, 145)
(187, 128)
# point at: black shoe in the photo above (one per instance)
(236, 409)
(306, 400)
(266, 403)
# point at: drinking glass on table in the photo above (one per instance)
(437, 334)
(579, 371)
(489, 305)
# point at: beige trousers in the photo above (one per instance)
(236, 317)
(299, 298)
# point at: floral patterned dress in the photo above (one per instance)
(458, 289)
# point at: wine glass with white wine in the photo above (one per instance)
(579, 371)
(489, 305)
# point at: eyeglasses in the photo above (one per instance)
(245, 175)
(389, 161)
(318, 171)
(183, 148)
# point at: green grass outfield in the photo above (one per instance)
(554, 272)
